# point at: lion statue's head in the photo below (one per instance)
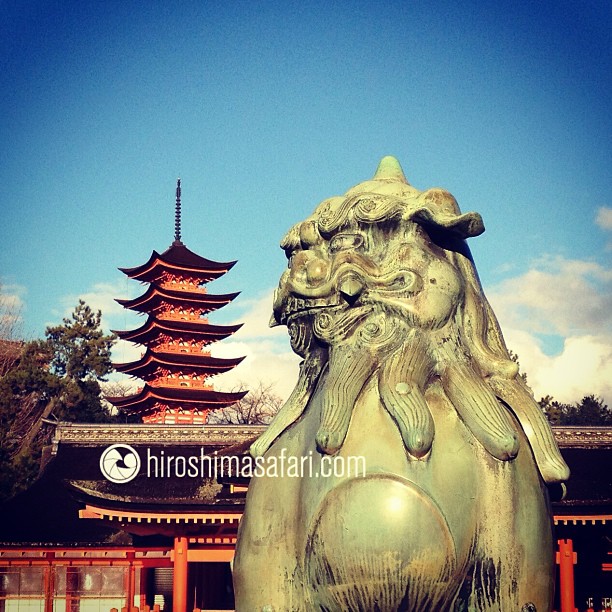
(381, 283)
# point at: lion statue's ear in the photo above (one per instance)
(486, 343)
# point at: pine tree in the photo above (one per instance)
(81, 351)
(56, 378)
(589, 411)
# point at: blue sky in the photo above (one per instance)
(266, 108)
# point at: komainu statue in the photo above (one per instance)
(404, 368)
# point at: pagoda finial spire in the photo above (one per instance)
(177, 214)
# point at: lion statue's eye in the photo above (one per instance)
(289, 253)
(342, 242)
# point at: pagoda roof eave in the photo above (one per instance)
(179, 257)
(192, 361)
(195, 329)
(153, 295)
(143, 400)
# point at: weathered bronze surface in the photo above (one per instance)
(404, 365)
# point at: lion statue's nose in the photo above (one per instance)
(350, 288)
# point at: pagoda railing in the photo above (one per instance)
(170, 381)
(168, 315)
(186, 287)
(181, 348)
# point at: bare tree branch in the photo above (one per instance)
(11, 341)
(256, 408)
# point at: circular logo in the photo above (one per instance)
(120, 463)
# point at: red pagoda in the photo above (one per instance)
(176, 365)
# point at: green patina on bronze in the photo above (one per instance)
(404, 364)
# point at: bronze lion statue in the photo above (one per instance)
(404, 366)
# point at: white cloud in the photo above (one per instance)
(269, 358)
(102, 297)
(604, 221)
(583, 366)
(604, 218)
(572, 300)
(124, 352)
(557, 296)
(12, 293)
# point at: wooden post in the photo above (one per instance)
(142, 595)
(179, 583)
(130, 581)
(72, 589)
(566, 558)
(49, 582)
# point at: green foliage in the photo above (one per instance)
(80, 350)
(58, 379)
(514, 357)
(589, 411)
(26, 391)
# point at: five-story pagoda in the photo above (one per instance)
(177, 364)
